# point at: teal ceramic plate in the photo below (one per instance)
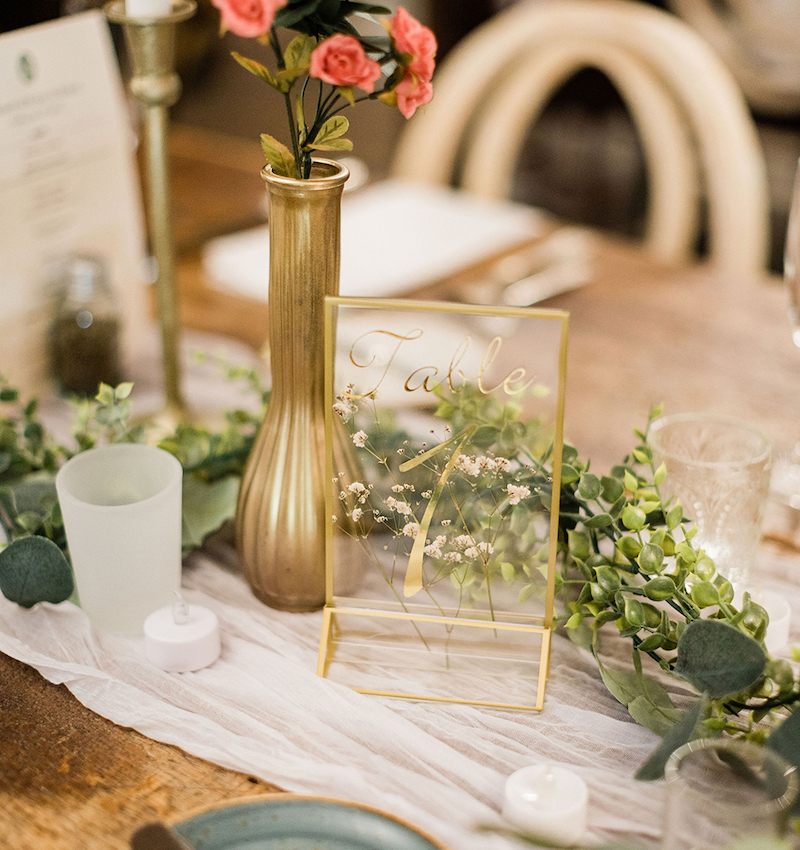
(293, 822)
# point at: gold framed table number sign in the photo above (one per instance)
(444, 451)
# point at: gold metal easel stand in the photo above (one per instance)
(151, 44)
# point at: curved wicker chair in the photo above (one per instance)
(694, 124)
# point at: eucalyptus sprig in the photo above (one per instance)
(34, 566)
(630, 567)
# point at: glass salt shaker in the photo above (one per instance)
(84, 335)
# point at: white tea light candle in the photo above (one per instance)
(148, 8)
(182, 638)
(549, 802)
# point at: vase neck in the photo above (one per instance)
(304, 228)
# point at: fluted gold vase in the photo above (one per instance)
(280, 517)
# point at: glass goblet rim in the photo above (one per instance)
(775, 806)
(663, 422)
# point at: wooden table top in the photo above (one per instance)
(640, 333)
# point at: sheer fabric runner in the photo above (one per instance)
(262, 710)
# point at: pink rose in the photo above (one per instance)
(412, 91)
(248, 18)
(416, 40)
(341, 61)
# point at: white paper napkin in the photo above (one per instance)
(396, 236)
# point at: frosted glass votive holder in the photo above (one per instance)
(122, 515)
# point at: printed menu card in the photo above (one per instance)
(68, 182)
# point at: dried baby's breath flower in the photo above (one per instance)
(517, 493)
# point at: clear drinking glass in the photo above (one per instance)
(122, 515)
(719, 468)
(720, 791)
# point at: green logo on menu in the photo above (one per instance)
(26, 68)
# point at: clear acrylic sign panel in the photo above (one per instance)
(444, 457)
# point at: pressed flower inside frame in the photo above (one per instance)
(452, 416)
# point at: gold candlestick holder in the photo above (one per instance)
(151, 45)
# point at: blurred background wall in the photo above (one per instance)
(582, 161)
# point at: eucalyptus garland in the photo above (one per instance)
(629, 565)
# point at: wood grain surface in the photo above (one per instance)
(70, 779)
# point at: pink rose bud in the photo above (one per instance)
(341, 61)
(416, 40)
(412, 92)
(248, 18)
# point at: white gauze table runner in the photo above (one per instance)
(262, 710)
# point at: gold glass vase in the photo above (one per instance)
(280, 517)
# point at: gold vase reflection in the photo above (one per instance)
(280, 517)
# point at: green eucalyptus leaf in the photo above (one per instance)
(612, 488)
(652, 642)
(652, 616)
(634, 612)
(585, 569)
(719, 659)
(485, 436)
(660, 588)
(569, 454)
(569, 474)
(605, 617)
(206, 506)
(580, 545)
(724, 589)
(616, 509)
(34, 569)
(601, 520)
(589, 487)
(123, 390)
(704, 594)
(685, 730)
(633, 518)
(608, 578)
(651, 558)
(105, 395)
(652, 706)
(704, 568)
(652, 714)
(508, 571)
(674, 517)
(629, 546)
